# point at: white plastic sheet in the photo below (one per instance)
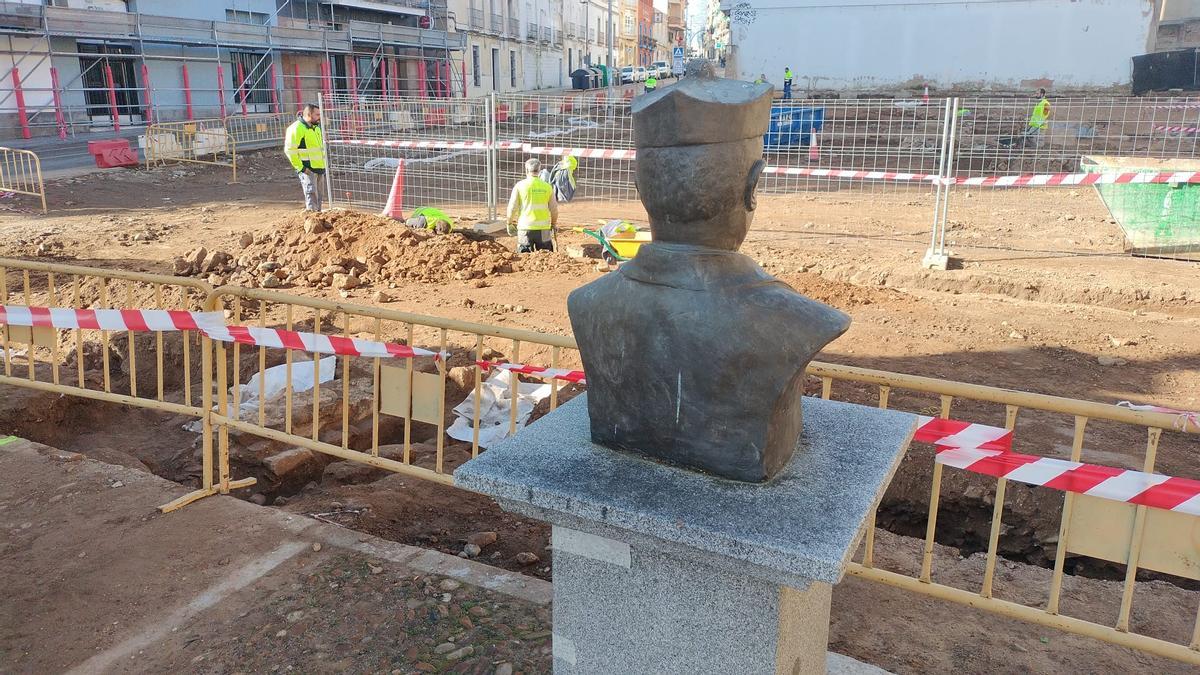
(495, 409)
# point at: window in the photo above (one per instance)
(512, 68)
(629, 24)
(475, 64)
(245, 16)
(255, 88)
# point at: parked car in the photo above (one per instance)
(628, 76)
(664, 69)
(640, 73)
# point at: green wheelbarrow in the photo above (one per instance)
(619, 239)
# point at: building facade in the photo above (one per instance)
(1003, 45)
(103, 63)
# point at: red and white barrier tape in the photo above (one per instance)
(1052, 179)
(988, 450)
(1177, 130)
(539, 371)
(587, 153)
(1176, 106)
(110, 319)
(852, 174)
(433, 145)
(211, 324)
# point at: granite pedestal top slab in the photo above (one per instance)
(804, 524)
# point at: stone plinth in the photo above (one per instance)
(659, 569)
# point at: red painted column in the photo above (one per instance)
(241, 90)
(326, 80)
(221, 88)
(59, 118)
(149, 97)
(395, 78)
(296, 85)
(187, 92)
(274, 91)
(112, 97)
(352, 80)
(21, 116)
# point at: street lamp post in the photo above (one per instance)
(611, 83)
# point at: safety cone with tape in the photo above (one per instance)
(814, 150)
(394, 208)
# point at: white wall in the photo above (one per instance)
(977, 44)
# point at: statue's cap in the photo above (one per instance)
(700, 109)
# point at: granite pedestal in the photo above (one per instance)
(659, 569)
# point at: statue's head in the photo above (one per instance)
(699, 156)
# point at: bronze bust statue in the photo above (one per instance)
(695, 355)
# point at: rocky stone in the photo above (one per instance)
(445, 648)
(449, 585)
(471, 550)
(196, 258)
(479, 283)
(333, 269)
(258, 498)
(527, 558)
(268, 266)
(481, 539)
(503, 669)
(460, 653)
(289, 461)
(351, 473)
(479, 611)
(1106, 360)
(181, 266)
(345, 282)
(314, 225)
(216, 280)
(462, 376)
(215, 261)
(270, 281)
(382, 296)
(245, 240)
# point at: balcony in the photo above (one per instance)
(531, 31)
(476, 19)
(514, 27)
(497, 23)
(570, 29)
(558, 37)
(546, 33)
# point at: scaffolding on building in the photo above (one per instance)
(117, 52)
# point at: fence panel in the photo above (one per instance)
(1131, 161)
(256, 131)
(21, 172)
(434, 150)
(199, 142)
(397, 413)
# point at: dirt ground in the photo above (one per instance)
(1044, 301)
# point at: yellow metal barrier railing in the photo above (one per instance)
(414, 391)
(197, 141)
(21, 172)
(1171, 551)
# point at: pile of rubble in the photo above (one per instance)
(344, 250)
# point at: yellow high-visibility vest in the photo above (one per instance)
(1041, 113)
(535, 196)
(304, 143)
(787, 75)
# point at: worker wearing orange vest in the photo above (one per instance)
(534, 211)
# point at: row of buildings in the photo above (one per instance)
(75, 65)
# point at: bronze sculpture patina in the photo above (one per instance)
(695, 355)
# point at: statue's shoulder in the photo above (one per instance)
(595, 291)
(784, 303)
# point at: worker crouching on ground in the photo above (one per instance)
(534, 210)
(304, 145)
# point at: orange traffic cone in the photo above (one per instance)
(394, 208)
(814, 151)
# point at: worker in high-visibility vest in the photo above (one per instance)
(651, 83)
(304, 145)
(533, 211)
(761, 78)
(1039, 119)
(787, 82)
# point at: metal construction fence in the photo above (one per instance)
(1140, 154)
(392, 409)
(21, 172)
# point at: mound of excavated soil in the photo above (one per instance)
(841, 294)
(345, 249)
